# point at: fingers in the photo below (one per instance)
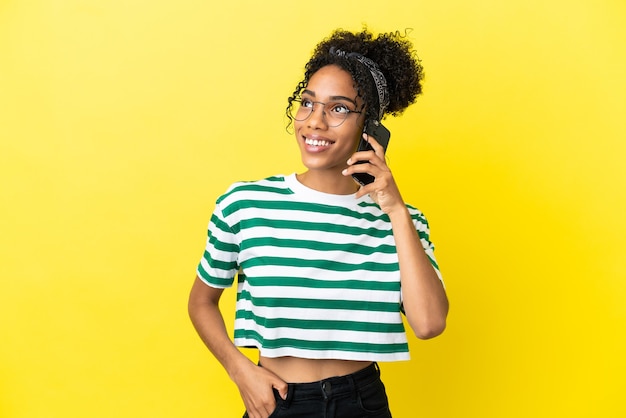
(282, 388)
(383, 189)
(378, 149)
(259, 404)
(376, 156)
(370, 162)
(257, 394)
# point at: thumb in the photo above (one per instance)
(282, 389)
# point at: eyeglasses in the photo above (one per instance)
(336, 112)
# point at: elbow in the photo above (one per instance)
(428, 320)
(428, 331)
(192, 309)
(427, 327)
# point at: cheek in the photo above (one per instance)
(297, 126)
(355, 132)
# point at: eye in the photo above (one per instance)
(306, 103)
(340, 109)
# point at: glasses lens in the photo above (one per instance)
(304, 110)
(334, 114)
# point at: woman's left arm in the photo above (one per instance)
(424, 297)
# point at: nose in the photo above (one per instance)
(317, 119)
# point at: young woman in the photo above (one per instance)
(325, 267)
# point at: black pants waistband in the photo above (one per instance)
(357, 394)
(336, 385)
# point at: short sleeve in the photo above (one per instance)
(423, 230)
(218, 265)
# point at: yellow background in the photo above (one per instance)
(121, 121)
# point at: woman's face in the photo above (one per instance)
(322, 146)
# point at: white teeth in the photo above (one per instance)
(316, 142)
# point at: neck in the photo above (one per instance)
(332, 183)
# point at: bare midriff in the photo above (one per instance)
(302, 370)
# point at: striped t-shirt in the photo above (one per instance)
(318, 274)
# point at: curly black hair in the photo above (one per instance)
(392, 52)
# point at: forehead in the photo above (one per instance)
(331, 81)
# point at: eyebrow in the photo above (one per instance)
(312, 93)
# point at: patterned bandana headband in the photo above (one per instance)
(377, 76)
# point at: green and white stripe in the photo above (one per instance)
(318, 274)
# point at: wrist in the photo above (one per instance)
(239, 367)
(398, 213)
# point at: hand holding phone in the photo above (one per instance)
(381, 134)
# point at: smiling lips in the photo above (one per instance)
(317, 142)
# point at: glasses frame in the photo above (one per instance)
(314, 102)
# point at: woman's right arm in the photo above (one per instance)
(255, 383)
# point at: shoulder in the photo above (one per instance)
(254, 189)
(415, 212)
(418, 217)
